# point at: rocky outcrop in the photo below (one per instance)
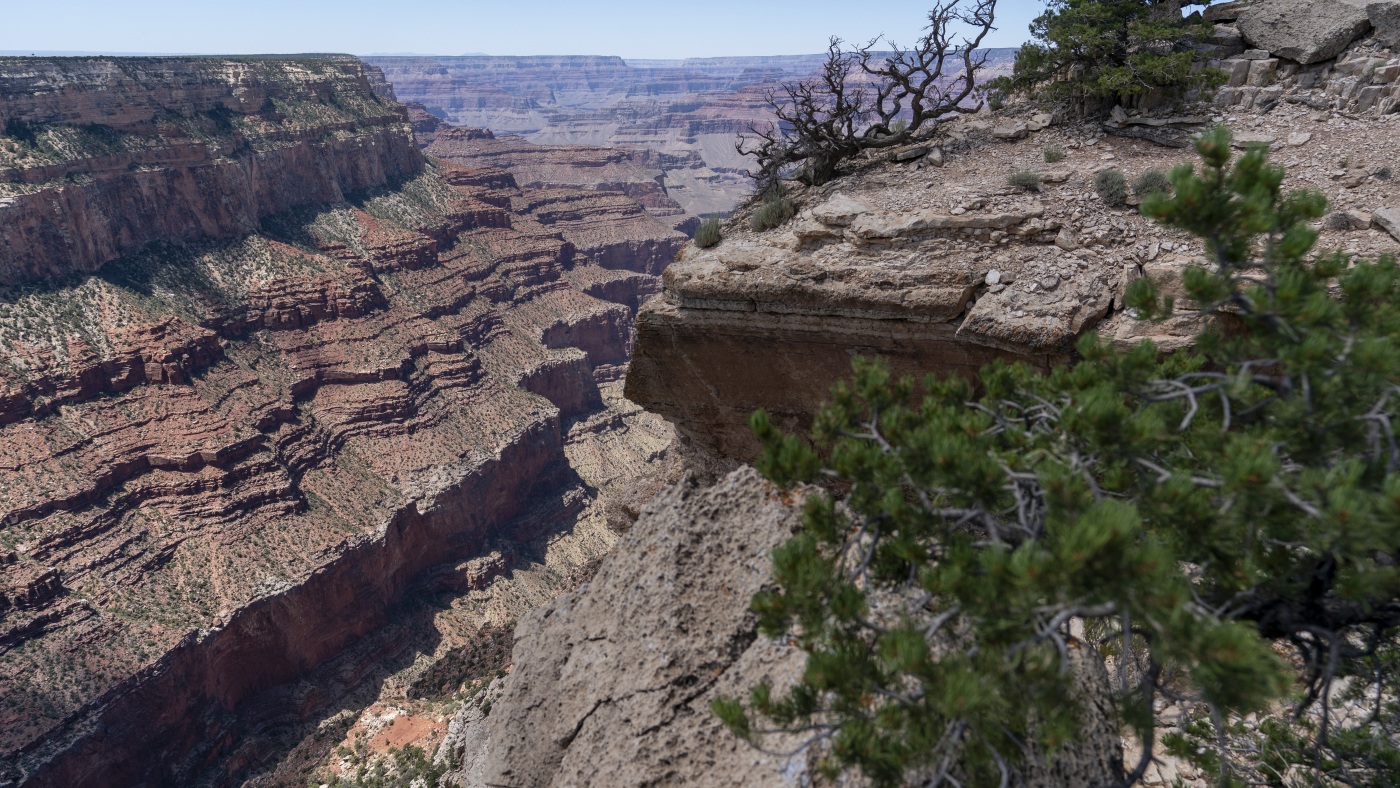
(104, 156)
(233, 459)
(1303, 32)
(933, 261)
(845, 279)
(612, 683)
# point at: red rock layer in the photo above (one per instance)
(224, 462)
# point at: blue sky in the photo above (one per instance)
(631, 28)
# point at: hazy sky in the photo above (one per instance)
(631, 28)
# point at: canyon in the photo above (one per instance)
(332, 424)
(270, 378)
(682, 116)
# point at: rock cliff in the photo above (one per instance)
(103, 156)
(933, 260)
(613, 682)
(276, 390)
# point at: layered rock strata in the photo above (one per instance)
(686, 113)
(236, 442)
(931, 259)
(102, 156)
(638, 174)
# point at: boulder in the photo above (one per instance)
(1226, 12)
(839, 211)
(1308, 32)
(1388, 219)
(1384, 16)
(1011, 131)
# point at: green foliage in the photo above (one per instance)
(1200, 514)
(1112, 187)
(401, 769)
(1054, 154)
(707, 234)
(1091, 53)
(1152, 182)
(1030, 181)
(775, 209)
(24, 132)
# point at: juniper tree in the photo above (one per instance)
(1090, 53)
(862, 99)
(1219, 524)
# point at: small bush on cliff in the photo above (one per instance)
(775, 209)
(863, 100)
(1054, 154)
(707, 234)
(1152, 182)
(1089, 54)
(1112, 187)
(1219, 523)
(1027, 180)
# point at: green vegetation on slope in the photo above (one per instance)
(1218, 523)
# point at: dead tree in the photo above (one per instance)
(831, 117)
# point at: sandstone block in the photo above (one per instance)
(1388, 219)
(1254, 54)
(1011, 131)
(839, 211)
(1304, 32)
(1262, 72)
(1236, 72)
(1226, 12)
(1225, 41)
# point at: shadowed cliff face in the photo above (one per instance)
(256, 395)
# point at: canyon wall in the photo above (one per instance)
(138, 150)
(268, 375)
(688, 113)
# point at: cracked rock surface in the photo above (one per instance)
(612, 683)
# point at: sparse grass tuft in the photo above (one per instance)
(708, 235)
(1337, 221)
(776, 209)
(1054, 154)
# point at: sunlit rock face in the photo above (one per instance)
(268, 375)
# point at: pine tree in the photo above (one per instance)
(1219, 525)
(1091, 53)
